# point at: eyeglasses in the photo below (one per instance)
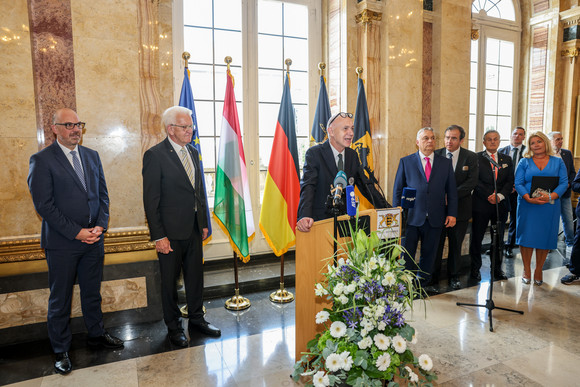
(184, 127)
(71, 125)
(341, 114)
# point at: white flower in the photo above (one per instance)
(380, 311)
(373, 264)
(413, 377)
(364, 332)
(425, 362)
(351, 288)
(389, 279)
(340, 262)
(338, 289)
(320, 379)
(322, 316)
(414, 338)
(381, 341)
(365, 343)
(343, 299)
(334, 362)
(337, 329)
(383, 362)
(382, 325)
(347, 360)
(408, 369)
(367, 311)
(399, 344)
(320, 291)
(396, 305)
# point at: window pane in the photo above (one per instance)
(210, 187)
(504, 126)
(201, 79)
(490, 102)
(265, 150)
(506, 78)
(270, 17)
(504, 103)
(473, 101)
(270, 52)
(302, 124)
(270, 83)
(205, 118)
(473, 75)
(197, 12)
(295, 20)
(268, 118)
(208, 152)
(474, 50)
(198, 42)
(228, 14)
(297, 50)
(472, 126)
(491, 77)
(298, 87)
(228, 44)
(492, 55)
(506, 53)
(489, 123)
(303, 145)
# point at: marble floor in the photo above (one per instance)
(539, 348)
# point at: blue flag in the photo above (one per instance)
(322, 115)
(186, 100)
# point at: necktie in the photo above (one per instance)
(515, 156)
(78, 169)
(340, 163)
(450, 155)
(428, 168)
(187, 166)
(493, 167)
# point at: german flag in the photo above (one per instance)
(282, 189)
(363, 140)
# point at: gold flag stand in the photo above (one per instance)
(237, 302)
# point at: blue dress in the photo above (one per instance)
(537, 224)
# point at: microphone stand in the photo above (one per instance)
(335, 209)
(495, 251)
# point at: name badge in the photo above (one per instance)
(465, 168)
(504, 165)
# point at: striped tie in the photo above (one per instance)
(187, 166)
(78, 169)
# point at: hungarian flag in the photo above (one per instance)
(233, 207)
(362, 141)
(282, 190)
(321, 116)
(186, 100)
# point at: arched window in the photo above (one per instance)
(494, 69)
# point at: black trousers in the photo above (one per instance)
(64, 266)
(187, 255)
(429, 237)
(456, 234)
(511, 238)
(480, 222)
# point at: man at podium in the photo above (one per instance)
(322, 163)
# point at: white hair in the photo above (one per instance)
(552, 134)
(423, 130)
(170, 114)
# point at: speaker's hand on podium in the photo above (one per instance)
(304, 224)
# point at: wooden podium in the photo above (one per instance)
(313, 249)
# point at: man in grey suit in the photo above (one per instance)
(566, 199)
(69, 192)
(515, 150)
(175, 208)
(466, 170)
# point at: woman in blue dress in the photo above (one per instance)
(538, 217)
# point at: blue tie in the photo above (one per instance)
(78, 169)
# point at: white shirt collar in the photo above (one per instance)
(66, 150)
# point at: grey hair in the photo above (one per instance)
(551, 135)
(423, 130)
(490, 131)
(170, 114)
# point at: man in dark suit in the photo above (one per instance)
(484, 200)
(175, 207)
(69, 192)
(466, 173)
(566, 199)
(515, 150)
(322, 163)
(435, 204)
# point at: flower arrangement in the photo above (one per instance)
(366, 340)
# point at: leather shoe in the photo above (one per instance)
(205, 328)
(178, 338)
(500, 275)
(454, 283)
(509, 252)
(62, 365)
(105, 341)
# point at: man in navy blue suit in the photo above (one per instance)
(69, 192)
(566, 199)
(435, 204)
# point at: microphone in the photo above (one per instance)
(339, 183)
(408, 197)
(492, 161)
(350, 198)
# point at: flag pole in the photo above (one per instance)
(321, 68)
(358, 71)
(281, 295)
(186, 57)
(237, 302)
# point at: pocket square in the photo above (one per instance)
(465, 168)
(504, 165)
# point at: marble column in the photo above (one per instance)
(52, 62)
